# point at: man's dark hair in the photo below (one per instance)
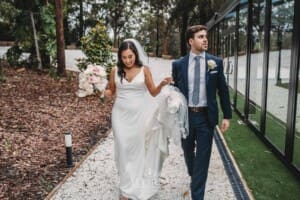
(190, 32)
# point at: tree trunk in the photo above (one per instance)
(46, 60)
(36, 44)
(165, 38)
(115, 43)
(183, 49)
(81, 19)
(165, 45)
(1, 72)
(61, 62)
(157, 33)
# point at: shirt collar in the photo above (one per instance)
(192, 55)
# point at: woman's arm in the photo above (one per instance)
(154, 90)
(111, 90)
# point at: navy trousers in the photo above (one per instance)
(197, 151)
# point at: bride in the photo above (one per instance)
(139, 136)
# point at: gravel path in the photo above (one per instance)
(96, 177)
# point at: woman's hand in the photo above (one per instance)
(166, 81)
(107, 93)
(150, 84)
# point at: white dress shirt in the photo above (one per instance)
(202, 88)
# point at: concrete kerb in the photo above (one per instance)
(242, 179)
(77, 165)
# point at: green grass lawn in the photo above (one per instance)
(275, 128)
(265, 175)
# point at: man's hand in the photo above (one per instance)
(225, 125)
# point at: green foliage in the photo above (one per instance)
(48, 32)
(13, 55)
(23, 39)
(7, 12)
(26, 5)
(22, 32)
(96, 45)
(7, 17)
(121, 15)
(52, 71)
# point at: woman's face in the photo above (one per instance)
(128, 58)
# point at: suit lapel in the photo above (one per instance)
(185, 71)
(207, 57)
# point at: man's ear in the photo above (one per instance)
(190, 41)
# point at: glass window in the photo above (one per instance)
(256, 62)
(279, 71)
(229, 38)
(242, 56)
(296, 154)
(212, 41)
(221, 52)
(216, 40)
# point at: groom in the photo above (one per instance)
(199, 76)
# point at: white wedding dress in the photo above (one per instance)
(138, 170)
(140, 136)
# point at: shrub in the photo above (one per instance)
(96, 45)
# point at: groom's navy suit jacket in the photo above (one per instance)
(215, 82)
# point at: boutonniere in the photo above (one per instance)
(211, 64)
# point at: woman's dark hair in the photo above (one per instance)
(124, 46)
(190, 32)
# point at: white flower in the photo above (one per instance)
(211, 64)
(101, 85)
(92, 79)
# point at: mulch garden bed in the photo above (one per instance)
(35, 112)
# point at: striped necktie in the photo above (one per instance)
(195, 96)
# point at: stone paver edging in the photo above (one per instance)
(236, 178)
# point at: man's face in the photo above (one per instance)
(199, 43)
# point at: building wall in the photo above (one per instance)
(259, 43)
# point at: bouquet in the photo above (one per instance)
(91, 80)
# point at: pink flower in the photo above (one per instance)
(91, 79)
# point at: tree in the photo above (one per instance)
(190, 12)
(47, 35)
(81, 23)
(80, 15)
(96, 46)
(73, 21)
(8, 13)
(61, 61)
(31, 26)
(118, 15)
(180, 15)
(160, 8)
(30, 7)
